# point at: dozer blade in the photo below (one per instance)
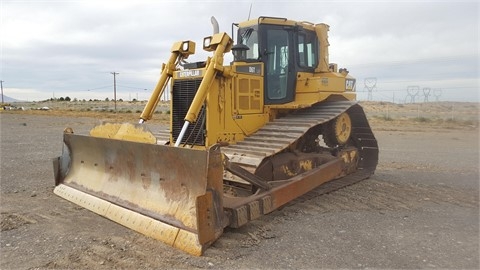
(171, 194)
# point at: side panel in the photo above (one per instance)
(235, 105)
(319, 87)
(248, 98)
(313, 88)
(248, 89)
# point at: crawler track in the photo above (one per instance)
(281, 133)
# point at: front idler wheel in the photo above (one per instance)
(337, 132)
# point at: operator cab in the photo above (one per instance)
(284, 50)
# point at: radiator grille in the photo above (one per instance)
(182, 96)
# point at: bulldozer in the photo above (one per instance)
(245, 138)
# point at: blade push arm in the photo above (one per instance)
(180, 49)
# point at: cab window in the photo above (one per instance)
(307, 50)
(249, 37)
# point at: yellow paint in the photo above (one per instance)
(287, 171)
(343, 128)
(220, 42)
(349, 156)
(306, 165)
(234, 95)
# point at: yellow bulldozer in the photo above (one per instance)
(244, 138)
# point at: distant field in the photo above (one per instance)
(126, 111)
(432, 114)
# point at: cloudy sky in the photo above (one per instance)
(394, 48)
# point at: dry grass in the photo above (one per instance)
(126, 111)
(381, 115)
(111, 116)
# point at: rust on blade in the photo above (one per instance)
(136, 221)
(157, 190)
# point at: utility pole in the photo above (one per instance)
(115, 89)
(1, 86)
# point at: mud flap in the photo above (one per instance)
(171, 194)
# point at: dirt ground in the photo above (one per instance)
(419, 210)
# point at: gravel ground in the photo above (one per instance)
(419, 210)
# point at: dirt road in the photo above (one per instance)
(420, 210)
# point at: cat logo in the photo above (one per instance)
(349, 84)
(189, 73)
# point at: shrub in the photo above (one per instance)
(386, 118)
(422, 119)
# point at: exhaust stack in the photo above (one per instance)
(216, 28)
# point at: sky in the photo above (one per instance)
(399, 51)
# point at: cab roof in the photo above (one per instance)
(276, 21)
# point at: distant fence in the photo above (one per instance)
(448, 111)
(96, 106)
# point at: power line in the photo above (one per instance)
(458, 58)
(101, 87)
(130, 87)
(370, 84)
(412, 92)
(437, 93)
(426, 93)
(421, 81)
(401, 89)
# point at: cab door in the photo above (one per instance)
(279, 65)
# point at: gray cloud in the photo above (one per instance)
(68, 48)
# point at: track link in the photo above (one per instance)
(281, 133)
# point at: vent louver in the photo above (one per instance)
(182, 96)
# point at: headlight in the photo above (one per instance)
(206, 42)
(185, 46)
